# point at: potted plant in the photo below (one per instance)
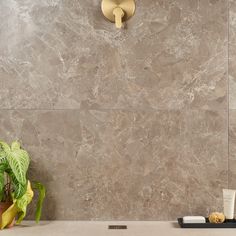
(15, 189)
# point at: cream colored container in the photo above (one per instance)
(229, 199)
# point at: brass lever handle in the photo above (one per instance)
(118, 11)
(119, 14)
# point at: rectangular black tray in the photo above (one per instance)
(227, 224)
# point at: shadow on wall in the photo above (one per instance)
(38, 172)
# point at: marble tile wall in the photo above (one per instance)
(125, 124)
(232, 94)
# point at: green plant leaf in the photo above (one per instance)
(1, 185)
(3, 168)
(19, 189)
(15, 146)
(15, 162)
(42, 192)
(19, 162)
(2, 156)
(5, 147)
(23, 202)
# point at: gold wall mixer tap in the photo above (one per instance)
(118, 11)
(119, 14)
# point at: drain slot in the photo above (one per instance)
(117, 227)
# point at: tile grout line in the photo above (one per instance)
(228, 122)
(115, 109)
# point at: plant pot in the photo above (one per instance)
(3, 207)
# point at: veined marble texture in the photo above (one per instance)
(127, 124)
(232, 94)
(232, 55)
(59, 54)
(232, 149)
(124, 165)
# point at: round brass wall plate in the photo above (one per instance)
(128, 6)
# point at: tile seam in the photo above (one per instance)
(228, 103)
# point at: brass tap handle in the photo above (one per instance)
(119, 14)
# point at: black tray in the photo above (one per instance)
(227, 224)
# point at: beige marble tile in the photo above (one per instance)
(61, 54)
(232, 94)
(124, 165)
(232, 54)
(232, 149)
(141, 128)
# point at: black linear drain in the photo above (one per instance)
(117, 226)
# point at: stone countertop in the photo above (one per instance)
(100, 228)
